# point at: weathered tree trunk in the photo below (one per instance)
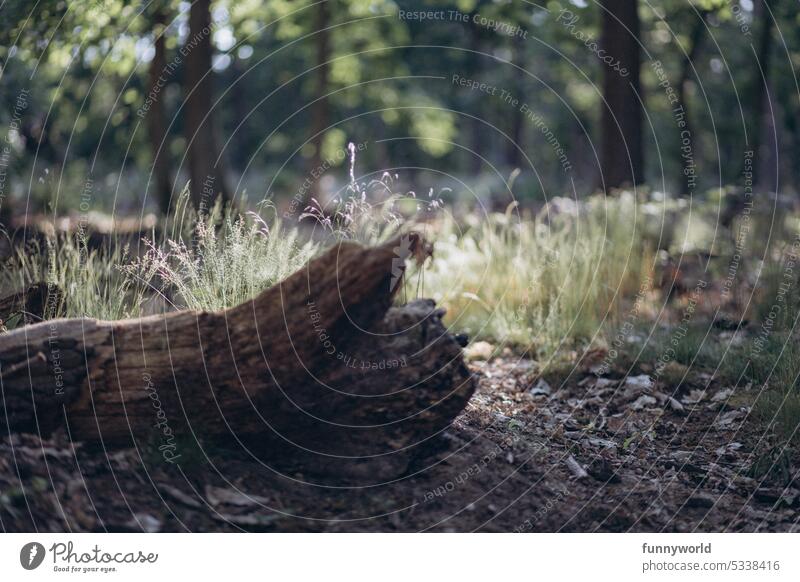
(319, 370)
(622, 154)
(156, 118)
(207, 179)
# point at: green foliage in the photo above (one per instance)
(90, 281)
(231, 259)
(369, 212)
(696, 346)
(535, 282)
(90, 79)
(228, 260)
(774, 357)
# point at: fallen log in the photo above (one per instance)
(32, 304)
(320, 369)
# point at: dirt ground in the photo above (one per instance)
(589, 453)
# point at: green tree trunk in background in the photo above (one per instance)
(622, 155)
(206, 175)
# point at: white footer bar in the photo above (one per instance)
(400, 557)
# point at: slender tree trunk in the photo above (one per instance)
(5, 217)
(156, 117)
(793, 131)
(320, 113)
(760, 100)
(476, 127)
(695, 44)
(514, 149)
(622, 159)
(206, 175)
(239, 147)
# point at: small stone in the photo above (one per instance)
(729, 420)
(605, 383)
(479, 351)
(676, 406)
(541, 388)
(644, 401)
(722, 395)
(635, 386)
(694, 396)
(604, 443)
(642, 382)
(728, 449)
(145, 523)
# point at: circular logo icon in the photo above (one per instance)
(31, 555)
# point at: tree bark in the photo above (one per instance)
(622, 159)
(760, 101)
(514, 147)
(5, 215)
(687, 63)
(320, 113)
(207, 180)
(156, 118)
(477, 129)
(318, 371)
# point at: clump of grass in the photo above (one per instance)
(88, 280)
(542, 281)
(775, 370)
(369, 211)
(780, 410)
(774, 356)
(695, 346)
(230, 260)
(353, 217)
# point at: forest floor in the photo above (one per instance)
(586, 442)
(575, 451)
